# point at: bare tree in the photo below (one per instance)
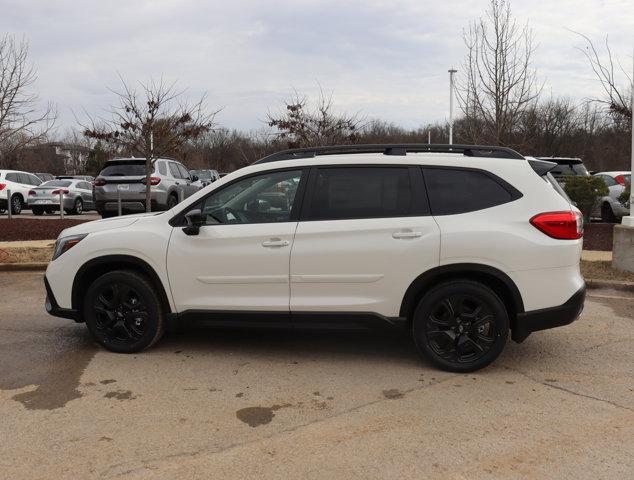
(301, 125)
(154, 123)
(499, 84)
(22, 123)
(615, 91)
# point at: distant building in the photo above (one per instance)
(74, 157)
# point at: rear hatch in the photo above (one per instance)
(126, 176)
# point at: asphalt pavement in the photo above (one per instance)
(310, 405)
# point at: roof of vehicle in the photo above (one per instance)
(561, 160)
(401, 149)
(14, 171)
(614, 173)
(138, 159)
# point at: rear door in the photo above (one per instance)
(189, 186)
(364, 235)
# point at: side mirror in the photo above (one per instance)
(194, 178)
(194, 220)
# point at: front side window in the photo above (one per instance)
(183, 171)
(174, 170)
(453, 191)
(361, 192)
(265, 198)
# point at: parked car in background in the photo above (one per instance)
(45, 177)
(19, 183)
(88, 178)
(347, 236)
(205, 177)
(125, 178)
(609, 208)
(566, 166)
(76, 195)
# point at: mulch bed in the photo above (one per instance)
(32, 229)
(598, 236)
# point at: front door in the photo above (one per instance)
(365, 236)
(240, 258)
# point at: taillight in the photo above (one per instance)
(57, 192)
(2, 186)
(620, 179)
(32, 193)
(560, 225)
(99, 182)
(154, 180)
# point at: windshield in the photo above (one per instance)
(202, 174)
(565, 169)
(124, 169)
(56, 183)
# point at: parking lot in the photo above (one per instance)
(252, 404)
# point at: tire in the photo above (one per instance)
(16, 204)
(460, 326)
(123, 312)
(607, 215)
(37, 210)
(78, 208)
(172, 201)
(106, 214)
(49, 211)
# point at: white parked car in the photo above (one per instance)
(461, 246)
(609, 208)
(19, 184)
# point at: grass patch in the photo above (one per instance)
(26, 255)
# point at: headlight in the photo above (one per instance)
(66, 243)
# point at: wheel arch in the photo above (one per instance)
(96, 267)
(492, 277)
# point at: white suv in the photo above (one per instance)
(19, 184)
(459, 245)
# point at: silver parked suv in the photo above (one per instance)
(125, 178)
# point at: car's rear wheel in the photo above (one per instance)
(123, 312)
(172, 201)
(49, 211)
(37, 210)
(78, 207)
(16, 204)
(460, 326)
(607, 215)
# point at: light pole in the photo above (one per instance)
(629, 220)
(451, 87)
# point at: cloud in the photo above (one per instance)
(387, 59)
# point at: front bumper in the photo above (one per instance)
(546, 318)
(54, 309)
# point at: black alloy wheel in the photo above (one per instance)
(16, 205)
(461, 326)
(123, 312)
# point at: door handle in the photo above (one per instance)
(409, 234)
(275, 242)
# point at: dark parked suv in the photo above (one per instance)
(566, 167)
(125, 178)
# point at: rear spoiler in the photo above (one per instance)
(542, 167)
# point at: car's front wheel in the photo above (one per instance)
(460, 326)
(607, 215)
(16, 204)
(123, 312)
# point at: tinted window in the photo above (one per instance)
(174, 169)
(127, 169)
(12, 177)
(453, 191)
(24, 179)
(162, 168)
(609, 181)
(34, 180)
(84, 185)
(262, 198)
(565, 169)
(202, 174)
(361, 192)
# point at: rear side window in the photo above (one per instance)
(452, 191)
(12, 177)
(361, 192)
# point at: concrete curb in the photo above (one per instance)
(594, 283)
(23, 267)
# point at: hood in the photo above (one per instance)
(105, 224)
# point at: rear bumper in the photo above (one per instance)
(54, 309)
(546, 318)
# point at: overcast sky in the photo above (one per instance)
(386, 59)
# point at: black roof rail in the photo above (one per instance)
(393, 149)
